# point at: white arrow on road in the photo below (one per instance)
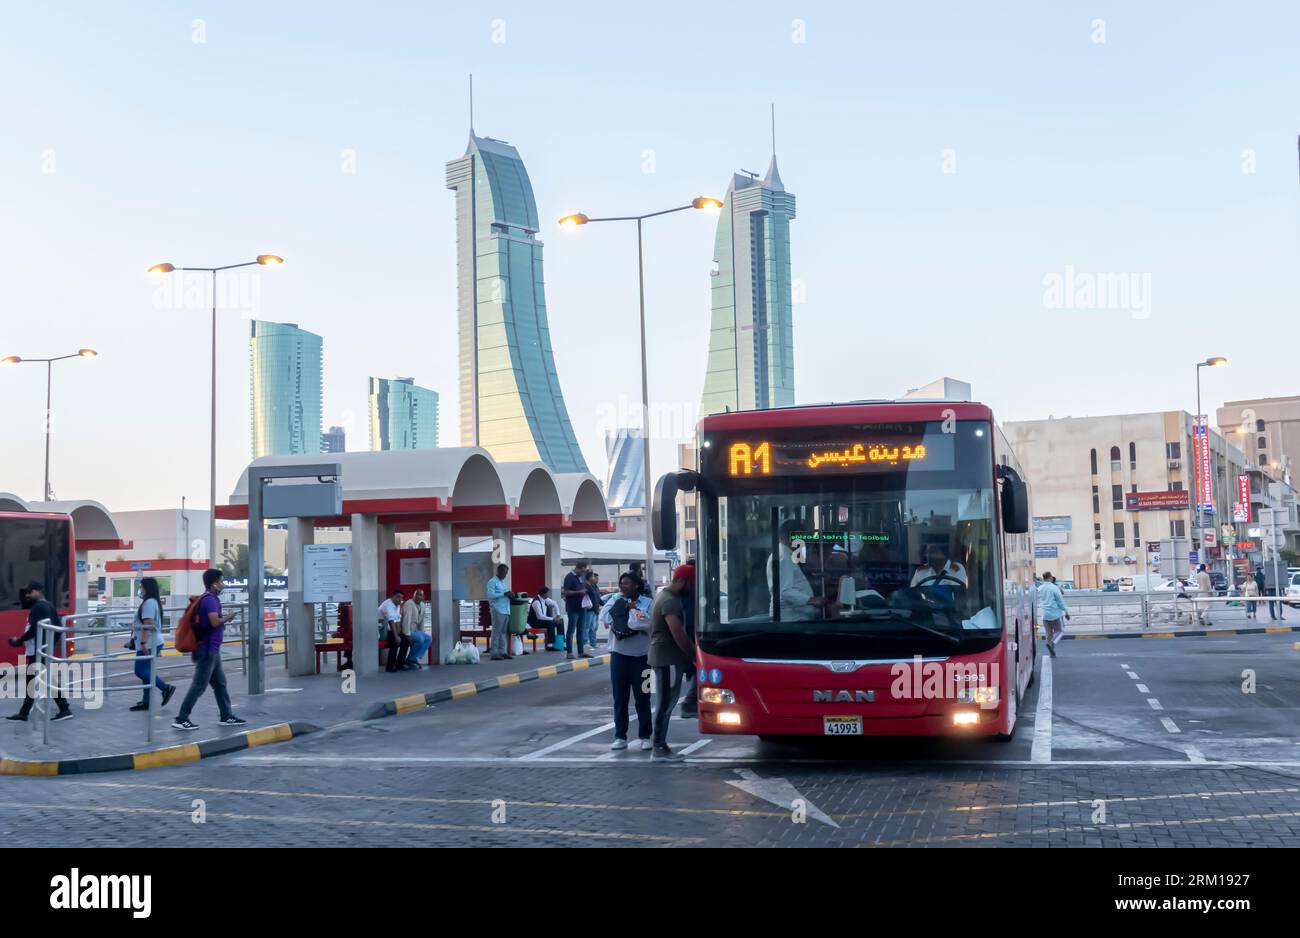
(778, 791)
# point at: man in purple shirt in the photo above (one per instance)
(209, 630)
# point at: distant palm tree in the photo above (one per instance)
(234, 563)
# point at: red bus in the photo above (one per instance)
(863, 569)
(38, 547)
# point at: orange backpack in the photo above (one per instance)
(186, 639)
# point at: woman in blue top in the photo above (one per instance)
(146, 633)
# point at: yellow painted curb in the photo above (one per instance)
(409, 703)
(172, 755)
(269, 734)
(507, 680)
(581, 664)
(1160, 635)
(547, 671)
(21, 767)
(463, 690)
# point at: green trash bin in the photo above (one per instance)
(519, 614)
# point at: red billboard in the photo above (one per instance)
(1157, 501)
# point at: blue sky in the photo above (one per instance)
(127, 143)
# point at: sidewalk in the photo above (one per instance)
(291, 707)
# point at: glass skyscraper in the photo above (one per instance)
(402, 415)
(751, 339)
(510, 400)
(286, 389)
(625, 483)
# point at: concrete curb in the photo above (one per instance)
(1182, 633)
(413, 702)
(157, 758)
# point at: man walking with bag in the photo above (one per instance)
(209, 630)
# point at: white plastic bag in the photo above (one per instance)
(463, 653)
(516, 645)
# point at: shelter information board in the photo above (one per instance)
(327, 573)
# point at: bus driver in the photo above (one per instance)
(939, 572)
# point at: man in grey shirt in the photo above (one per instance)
(671, 653)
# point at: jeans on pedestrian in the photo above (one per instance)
(572, 632)
(627, 673)
(668, 687)
(33, 672)
(207, 673)
(142, 664)
(1250, 608)
(589, 628)
(1274, 609)
(420, 642)
(500, 646)
(690, 694)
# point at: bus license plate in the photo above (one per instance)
(842, 726)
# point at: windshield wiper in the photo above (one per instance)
(899, 617)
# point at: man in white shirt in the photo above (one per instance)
(939, 571)
(547, 615)
(413, 628)
(794, 592)
(390, 625)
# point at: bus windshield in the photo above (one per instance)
(811, 554)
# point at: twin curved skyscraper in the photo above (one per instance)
(510, 399)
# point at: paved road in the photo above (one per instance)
(1139, 742)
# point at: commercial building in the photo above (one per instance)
(285, 369)
(1108, 490)
(1268, 431)
(510, 399)
(402, 415)
(334, 440)
(625, 477)
(751, 338)
(688, 536)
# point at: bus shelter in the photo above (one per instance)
(449, 493)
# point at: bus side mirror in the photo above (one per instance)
(1015, 506)
(663, 513)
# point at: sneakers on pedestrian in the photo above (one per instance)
(179, 724)
(1051, 650)
(618, 743)
(142, 705)
(569, 656)
(233, 720)
(664, 754)
(167, 694)
(65, 715)
(646, 744)
(21, 717)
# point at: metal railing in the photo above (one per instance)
(1101, 611)
(110, 625)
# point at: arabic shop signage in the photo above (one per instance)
(1157, 501)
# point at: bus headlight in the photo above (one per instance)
(984, 695)
(965, 718)
(717, 695)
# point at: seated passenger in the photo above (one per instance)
(793, 592)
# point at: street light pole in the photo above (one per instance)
(265, 260)
(1217, 361)
(577, 219)
(47, 494)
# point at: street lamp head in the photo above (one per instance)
(1217, 361)
(11, 360)
(706, 202)
(87, 352)
(161, 269)
(270, 260)
(574, 220)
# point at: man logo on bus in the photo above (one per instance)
(844, 696)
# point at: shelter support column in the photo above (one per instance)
(300, 629)
(82, 600)
(365, 594)
(444, 612)
(553, 564)
(503, 550)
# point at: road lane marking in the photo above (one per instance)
(1042, 748)
(564, 743)
(1170, 725)
(1155, 704)
(1194, 754)
(698, 744)
(1132, 675)
(1143, 689)
(780, 792)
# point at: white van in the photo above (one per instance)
(1141, 582)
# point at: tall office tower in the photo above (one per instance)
(286, 389)
(751, 342)
(510, 400)
(402, 415)
(334, 440)
(625, 481)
